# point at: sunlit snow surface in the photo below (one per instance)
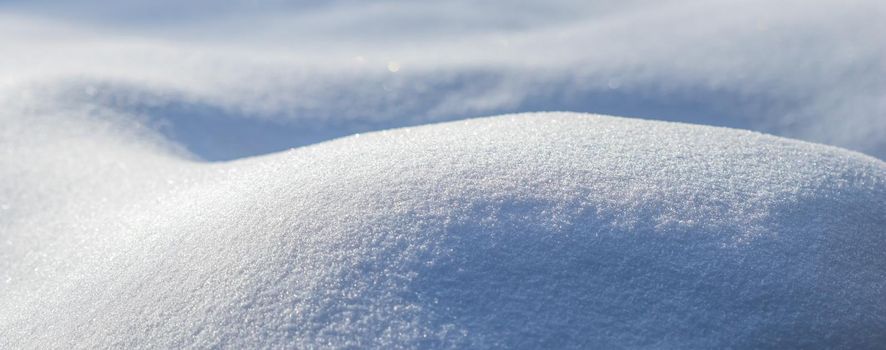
(150, 195)
(543, 230)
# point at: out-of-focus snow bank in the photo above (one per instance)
(233, 79)
(536, 231)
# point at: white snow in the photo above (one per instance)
(549, 230)
(228, 174)
(810, 70)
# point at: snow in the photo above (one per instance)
(547, 230)
(312, 72)
(300, 174)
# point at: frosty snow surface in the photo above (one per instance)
(550, 230)
(326, 174)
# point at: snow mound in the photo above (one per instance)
(548, 230)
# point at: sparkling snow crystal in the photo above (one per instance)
(548, 230)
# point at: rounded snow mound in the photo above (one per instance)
(550, 230)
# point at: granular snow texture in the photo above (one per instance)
(547, 230)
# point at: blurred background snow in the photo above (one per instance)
(225, 80)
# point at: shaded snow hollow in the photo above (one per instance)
(549, 230)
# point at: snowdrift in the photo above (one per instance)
(295, 73)
(549, 230)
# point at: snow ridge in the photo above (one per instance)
(548, 230)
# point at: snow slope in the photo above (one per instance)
(550, 230)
